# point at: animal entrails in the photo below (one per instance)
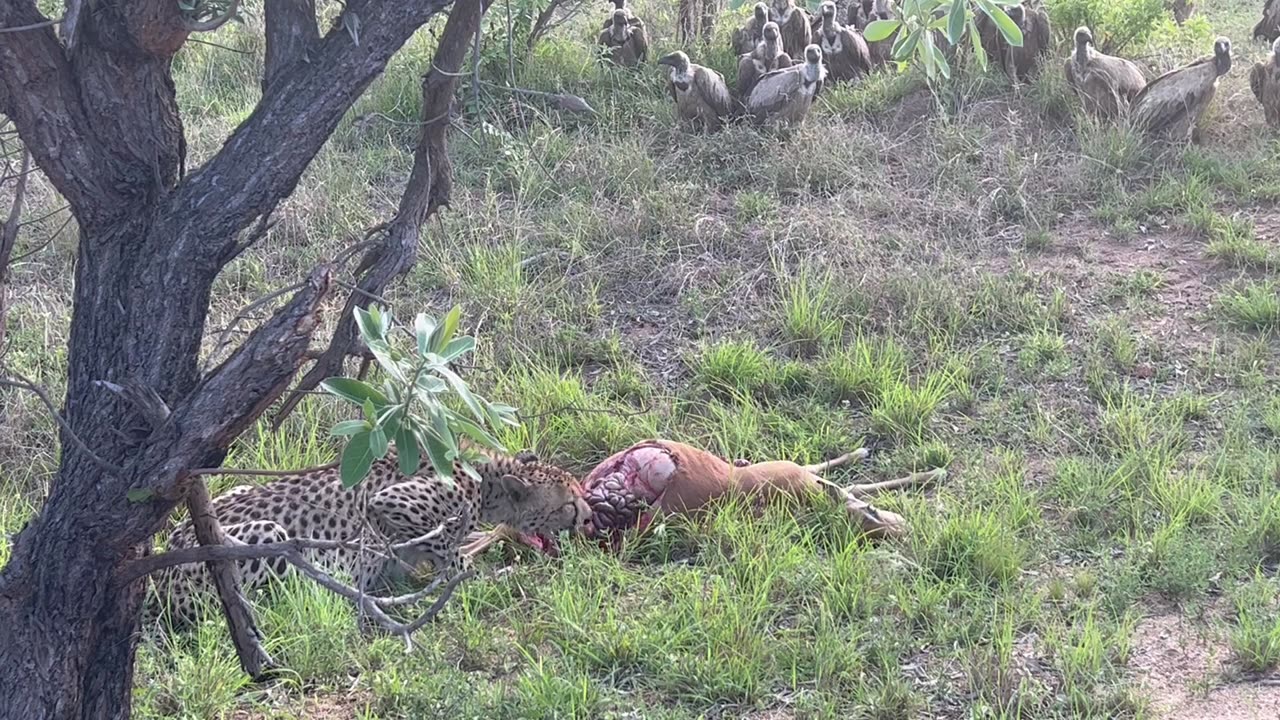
(520, 494)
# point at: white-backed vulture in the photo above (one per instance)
(701, 97)
(766, 57)
(1106, 84)
(1264, 80)
(786, 95)
(625, 38)
(748, 36)
(1018, 63)
(1268, 28)
(793, 23)
(844, 51)
(1172, 104)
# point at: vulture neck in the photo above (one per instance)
(619, 31)
(1082, 53)
(812, 72)
(828, 25)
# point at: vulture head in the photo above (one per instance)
(813, 69)
(761, 14)
(1222, 55)
(677, 61)
(1084, 38)
(771, 35)
(619, 4)
(879, 11)
(619, 20)
(783, 7)
(828, 12)
(1275, 51)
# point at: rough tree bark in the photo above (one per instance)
(101, 122)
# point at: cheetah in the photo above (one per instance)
(520, 494)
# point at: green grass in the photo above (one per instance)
(1077, 324)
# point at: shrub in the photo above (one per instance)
(1116, 24)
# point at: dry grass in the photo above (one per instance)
(1080, 326)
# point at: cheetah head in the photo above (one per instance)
(544, 501)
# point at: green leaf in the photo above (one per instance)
(354, 391)
(431, 384)
(1008, 28)
(407, 449)
(139, 495)
(442, 431)
(443, 334)
(463, 392)
(386, 359)
(955, 27)
(439, 455)
(378, 443)
(457, 347)
(978, 52)
(370, 412)
(349, 427)
(356, 460)
(880, 30)
(907, 45)
(423, 326)
(477, 433)
(369, 323)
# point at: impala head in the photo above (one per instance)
(677, 61)
(1222, 55)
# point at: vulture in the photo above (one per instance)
(1264, 79)
(1019, 63)
(767, 57)
(786, 95)
(1172, 104)
(1106, 84)
(793, 22)
(1268, 28)
(748, 36)
(700, 94)
(625, 39)
(864, 12)
(845, 51)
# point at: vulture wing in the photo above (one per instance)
(855, 49)
(1257, 77)
(747, 76)
(639, 40)
(710, 85)
(1168, 99)
(774, 91)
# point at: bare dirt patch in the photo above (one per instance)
(1181, 666)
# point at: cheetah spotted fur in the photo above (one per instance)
(520, 492)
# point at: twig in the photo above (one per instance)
(475, 67)
(23, 384)
(361, 291)
(220, 47)
(565, 101)
(32, 26)
(576, 409)
(259, 473)
(225, 335)
(46, 216)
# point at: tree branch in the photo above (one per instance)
(201, 427)
(264, 158)
(43, 102)
(428, 188)
(9, 238)
(212, 23)
(291, 34)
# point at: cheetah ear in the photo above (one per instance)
(516, 488)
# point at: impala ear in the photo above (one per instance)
(516, 488)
